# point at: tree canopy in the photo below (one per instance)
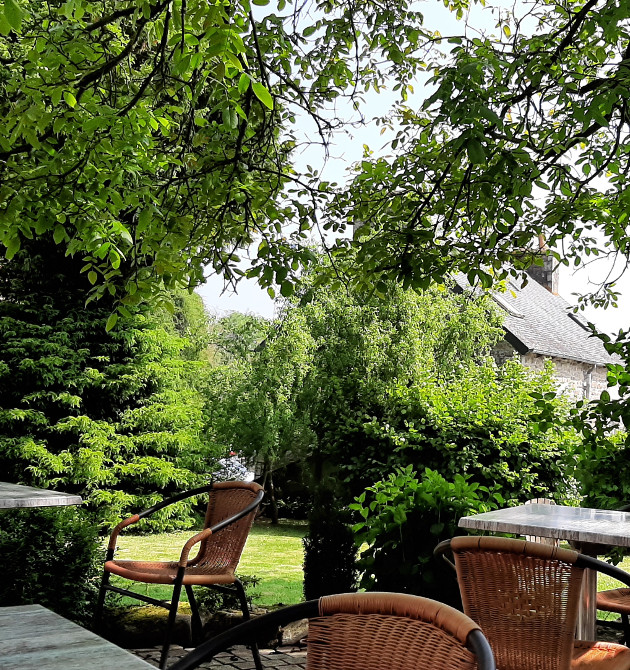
(524, 135)
(153, 138)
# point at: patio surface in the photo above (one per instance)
(283, 658)
(238, 658)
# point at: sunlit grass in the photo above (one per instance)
(604, 582)
(274, 554)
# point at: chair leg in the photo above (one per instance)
(172, 614)
(626, 629)
(240, 591)
(195, 619)
(100, 602)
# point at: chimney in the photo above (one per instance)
(547, 274)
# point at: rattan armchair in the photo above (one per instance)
(368, 631)
(229, 517)
(525, 596)
(617, 600)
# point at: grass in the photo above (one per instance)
(274, 554)
(604, 582)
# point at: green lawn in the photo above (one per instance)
(274, 554)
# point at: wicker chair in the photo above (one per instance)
(368, 631)
(526, 596)
(229, 517)
(617, 600)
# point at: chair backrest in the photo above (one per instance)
(524, 595)
(368, 631)
(392, 631)
(222, 550)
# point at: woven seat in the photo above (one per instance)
(368, 631)
(526, 597)
(229, 517)
(617, 601)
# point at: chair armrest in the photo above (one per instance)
(174, 499)
(613, 571)
(441, 549)
(183, 560)
(114, 536)
(111, 547)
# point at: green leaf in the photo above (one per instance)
(111, 322)
(59, 234)
(5, 26)
(476, 153)
(13, 14)
(92, 277)
(287, 288)
(13, 246)
(71, 101)
(262, 94)
(243, 83)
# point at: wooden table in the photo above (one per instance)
(589, 530)
(17, 495)
(34, 638)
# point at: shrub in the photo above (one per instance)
(211, 601)
(402, 520)
(56, 560)
(113, 416)
(481, 423)
(329, 552)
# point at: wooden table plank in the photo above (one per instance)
(16, 495)
(34, 638)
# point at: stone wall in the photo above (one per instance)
(575, 380)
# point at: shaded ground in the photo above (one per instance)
(238, 658)
(284, 658)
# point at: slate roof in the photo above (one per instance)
(539, 322)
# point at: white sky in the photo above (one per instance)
(349, 149)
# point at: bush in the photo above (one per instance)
(211, 601)
(483, 423)
(329, 553)
(56, 560)
(403, 519)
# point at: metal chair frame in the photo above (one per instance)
(172, 607)
(266, 626)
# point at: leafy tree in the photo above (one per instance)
(358, 385)
(522, 135)
(153, 138)
(113, 416)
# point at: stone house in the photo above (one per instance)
(540, 325)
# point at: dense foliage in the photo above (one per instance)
(116, 416)
(403, 518)
(153, 138)
(360, 385)
(53, 558)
